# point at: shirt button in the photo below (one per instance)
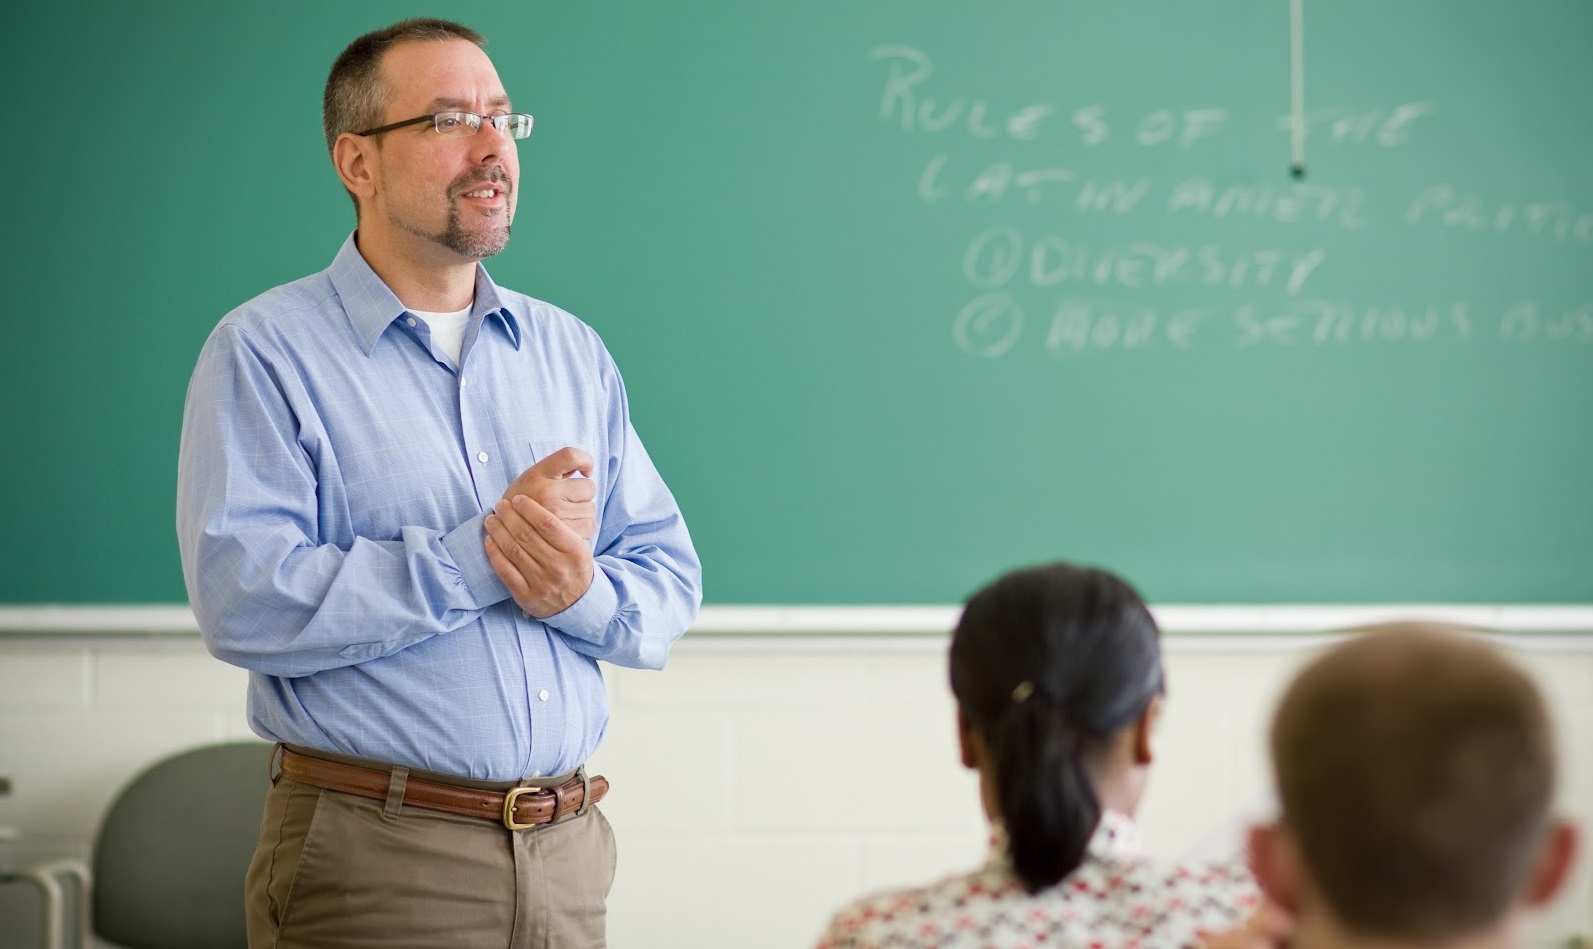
(481, 456)
(410, 321)
(525, 614)
(536, 774)
(461, 382)
(543, 695)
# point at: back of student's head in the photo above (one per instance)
(1047, 663)
(1415, 770)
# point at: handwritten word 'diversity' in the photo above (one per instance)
(907, 101)
(1001, 253)
(993, 324)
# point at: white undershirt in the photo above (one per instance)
(447, 330)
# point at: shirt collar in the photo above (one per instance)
(372, 307)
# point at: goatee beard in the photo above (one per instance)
(477, 245)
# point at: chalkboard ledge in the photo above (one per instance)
(719, 621)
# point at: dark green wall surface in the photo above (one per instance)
(905, 293)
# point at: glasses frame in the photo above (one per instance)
(499, 122)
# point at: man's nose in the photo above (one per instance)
(489, 143)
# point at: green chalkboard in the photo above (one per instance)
(905, 293)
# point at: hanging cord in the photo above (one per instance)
(1297, 87)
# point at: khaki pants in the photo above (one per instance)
(339, 871)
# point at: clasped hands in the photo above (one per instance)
(538, 533)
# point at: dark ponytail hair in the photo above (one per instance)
(1047, 663)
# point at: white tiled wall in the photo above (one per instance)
(758, 782)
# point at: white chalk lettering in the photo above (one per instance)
(992, 182)
(1340, 324)
(1033, 181)
(1078, 326)
(908, 68)
(988, 325)
(1118, 196)
(996, 255)
(1288, 204)
(1388, 128)
(1444, 205)
(1525, 323)
(1091, 121)
(1281, 328)
(929, 188)
(998, 181)
(1392, 131)
(1156, 128)
(1164, 125)
(905, 101)
(1024, 124)
(976, 121)
(991, 325)
(1302, 267)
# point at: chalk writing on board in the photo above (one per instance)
(995, 323)
(1526, 323)
(1286, 204)
(1388, 127)
(911, 101)
(1033, 288)
(994, 183)
(1002, 253)
(1443, 204)
(1290, 203)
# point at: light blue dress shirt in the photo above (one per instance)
(334, 472)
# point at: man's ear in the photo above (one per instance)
(1144, 730)
(354, 157)
(1553, 864)
(1275, 863)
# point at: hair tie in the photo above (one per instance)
(1022, 691)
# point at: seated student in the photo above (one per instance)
(1058, 678)
(1415, 769)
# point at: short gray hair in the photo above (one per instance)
(356, 92)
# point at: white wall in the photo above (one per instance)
(758, 782)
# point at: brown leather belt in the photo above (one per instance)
(516, 808)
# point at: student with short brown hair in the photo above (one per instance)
(1415, 771)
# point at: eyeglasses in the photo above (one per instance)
(459, 124)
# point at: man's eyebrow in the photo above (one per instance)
(444, 103)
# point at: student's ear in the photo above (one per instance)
(1275, 863)
(1553, 864)
(1144, 730)
(967, 742)
(353, 157)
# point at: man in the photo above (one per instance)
(1415, 769)
(412, 505)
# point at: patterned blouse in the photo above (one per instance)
(1118, 898)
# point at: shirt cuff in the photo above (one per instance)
(588, 617)
(465, 544)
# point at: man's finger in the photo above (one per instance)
(579, 490)
(513, 580)
(564, 463)
(554, 530)
(518, 534)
